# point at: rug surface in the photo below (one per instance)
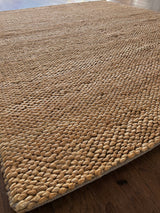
(79, 96)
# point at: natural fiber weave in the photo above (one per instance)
(80, 95)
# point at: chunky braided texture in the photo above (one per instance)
(80, 95)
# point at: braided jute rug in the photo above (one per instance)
(79, 95)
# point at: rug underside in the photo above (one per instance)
(79, 96)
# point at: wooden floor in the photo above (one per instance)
(134, 188)
(147, 4)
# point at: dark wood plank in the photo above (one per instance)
(133, 188)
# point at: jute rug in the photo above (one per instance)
(79, 96)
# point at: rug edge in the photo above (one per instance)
(129, 160)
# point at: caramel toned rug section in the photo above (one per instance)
(79, 96)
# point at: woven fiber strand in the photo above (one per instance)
(80, 95)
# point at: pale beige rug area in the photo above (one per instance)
(79, 95)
